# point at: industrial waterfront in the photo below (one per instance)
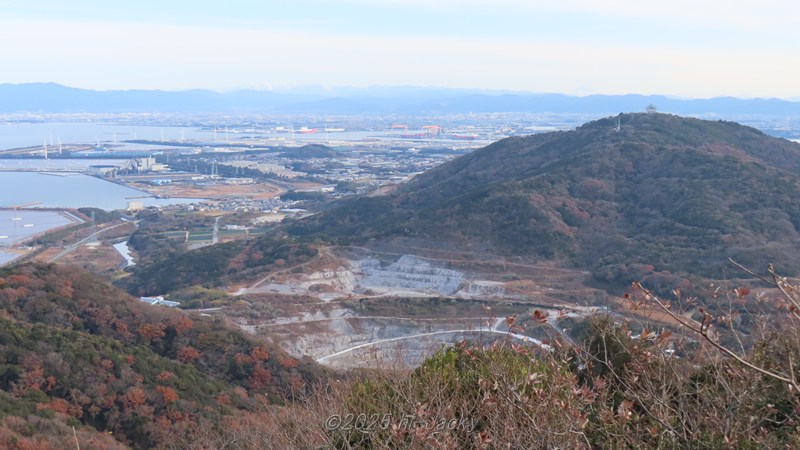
(26, 134)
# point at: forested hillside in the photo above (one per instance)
(660, 193)
(76, 352)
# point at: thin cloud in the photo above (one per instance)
(179, 57)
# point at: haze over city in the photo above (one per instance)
(679, 48)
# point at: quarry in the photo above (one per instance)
(370, 308)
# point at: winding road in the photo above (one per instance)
(493, 329)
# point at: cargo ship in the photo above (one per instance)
(306, 130)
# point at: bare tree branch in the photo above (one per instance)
(702, 330)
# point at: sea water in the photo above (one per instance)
(60, 190)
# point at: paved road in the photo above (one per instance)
(73, 247)
(493, 329)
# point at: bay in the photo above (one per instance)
(72, 191)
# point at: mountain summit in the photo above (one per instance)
(677, 193)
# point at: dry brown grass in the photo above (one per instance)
(256, 191)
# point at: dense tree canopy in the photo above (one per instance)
(679, 194)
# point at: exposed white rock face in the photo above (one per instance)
(483, 289)
(317, 316)
(341, 279)
(409, 272)
(374, 340)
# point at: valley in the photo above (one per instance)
(538, 225)
(538, 257)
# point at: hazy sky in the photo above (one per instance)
(697, 48)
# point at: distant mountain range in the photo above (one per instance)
(621, 196)
(54, 98)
